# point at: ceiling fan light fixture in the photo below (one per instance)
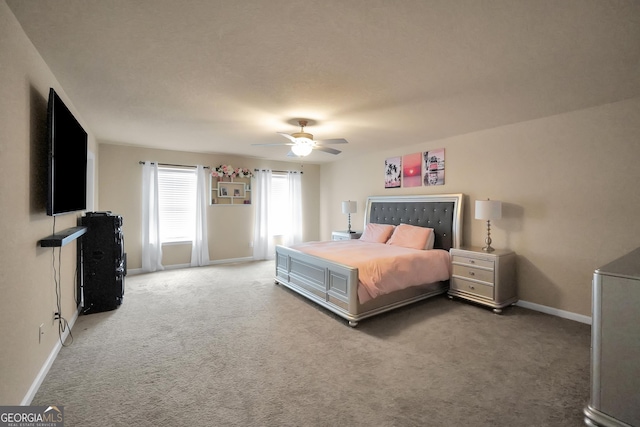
(302, 143)
(303, 137)
(302, 150)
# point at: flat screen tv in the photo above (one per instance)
(67, 159)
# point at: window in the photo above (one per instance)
(177, 200)
(278, 218)
(279, 221)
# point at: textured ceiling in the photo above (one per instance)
(219, 76)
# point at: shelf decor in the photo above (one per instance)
(244, 173)
(228, 171)
(230, 186)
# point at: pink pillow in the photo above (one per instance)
(377, 233)
(431, 240)
(410, 236)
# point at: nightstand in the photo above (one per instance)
(487, 278)
(345, 235)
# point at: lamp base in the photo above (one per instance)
(487, 241)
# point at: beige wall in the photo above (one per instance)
(230, 228)
(26, 274)
(569, 184)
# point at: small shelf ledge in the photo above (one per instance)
(63, 237)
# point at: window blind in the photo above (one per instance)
(177, 200)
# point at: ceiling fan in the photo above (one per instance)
(302, 143)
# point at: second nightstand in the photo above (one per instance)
(345, 235)
(486, 278)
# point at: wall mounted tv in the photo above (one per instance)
(67, 159)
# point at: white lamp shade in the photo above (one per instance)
(349, 207)
(488, 209)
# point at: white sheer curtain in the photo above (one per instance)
(151, 246)
(263, 247)
(200, 245)
(294, 236)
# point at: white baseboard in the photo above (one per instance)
(31, 393)
(555, 312)
(231, 260)
(134, 271)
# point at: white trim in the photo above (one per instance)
(177, 242)
(555, 312)
(134, 271)
(176, 266)
(37, 382)
(231, 260)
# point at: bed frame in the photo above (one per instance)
(334, 286)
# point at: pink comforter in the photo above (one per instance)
(383, 268)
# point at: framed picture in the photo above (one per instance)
(393, 172)
(411, 171)
(231, 189)
(433, 167)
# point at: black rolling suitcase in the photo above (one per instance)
(103, 262)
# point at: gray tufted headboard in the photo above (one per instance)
(443, 213)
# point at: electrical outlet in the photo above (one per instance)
(54, 317)
(40, 332)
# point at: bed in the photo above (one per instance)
(335, 285)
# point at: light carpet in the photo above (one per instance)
(224, 346)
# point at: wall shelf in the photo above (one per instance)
(63, 237)
(236, 191)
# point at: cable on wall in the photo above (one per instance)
(57, 279)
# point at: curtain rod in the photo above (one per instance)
(170, 164)
(300, 172)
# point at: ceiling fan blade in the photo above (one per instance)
(292, 154)
(275, 144)
(286, 135)
(327, 149)
(332, 141)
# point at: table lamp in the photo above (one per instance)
(488, 210)
(348, 208)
